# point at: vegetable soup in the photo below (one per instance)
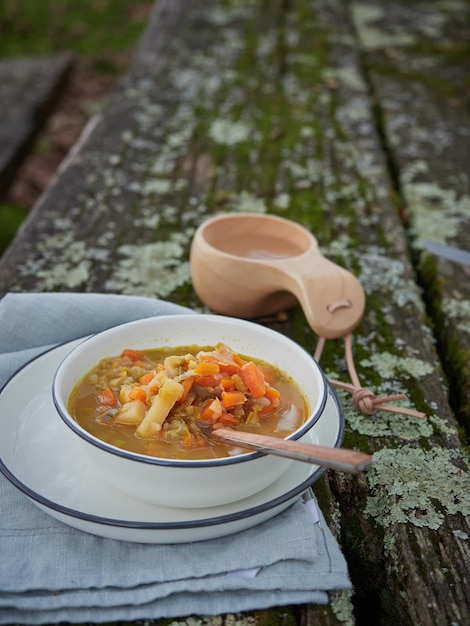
(165, 402)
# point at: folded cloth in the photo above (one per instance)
(50, 572)
(32, 323)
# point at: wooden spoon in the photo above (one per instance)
(352, 461)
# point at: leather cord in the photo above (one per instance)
(364, 399)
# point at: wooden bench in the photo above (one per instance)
(29, 88)
(353, 120)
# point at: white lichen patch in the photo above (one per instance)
(432, 224)
(458, 311)
(163, 164)
(154, 269)
(127, 136)
(381, 273)
(305, 174)
(249, 203)
(438, 213)
(157, 186)
(366, 18)
(267, 43)
(460, 534)
(410, 485)
(293, 89)
(70, 275)
(341, 603)
(413, 170)
(282, 201)
(442, 425)
(306, 132)
(150, 219)
(342, 246)
(238, 619)
(357, 109)
(386, 423)
(228, 132)
(432, 25)
(71, 271)
(348, 76)
(375, 38)
(187, 81)
(439, 137)
(388, 366)
(367, 165)
(63, 223)
(221, 16)
(309, 60)
(366, 13)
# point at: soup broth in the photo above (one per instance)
(165, 402)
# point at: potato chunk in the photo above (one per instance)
(131, 413)
(169, 394)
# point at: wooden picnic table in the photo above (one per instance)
(352, 119)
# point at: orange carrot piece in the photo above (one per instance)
(207, 381)
(200, 441)
(211, 411)
(273, 395)
(227, 384)
(226, 419)
(187, 386)
(253, 379)
(206, 369)
(107, 397)
(238, 359)
(137, 393)
(229, 368)
(133, 355)
(268, 373)
(232, 398)
(207, 414)
(187, 440)
(146, 378)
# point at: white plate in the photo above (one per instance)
(42, 458)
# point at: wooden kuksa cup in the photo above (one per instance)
(252, 265)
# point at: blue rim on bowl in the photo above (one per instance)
(141, 458)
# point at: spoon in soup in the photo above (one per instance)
(343, 459)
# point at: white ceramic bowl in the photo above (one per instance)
(189, 483)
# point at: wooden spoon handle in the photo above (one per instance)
(352, 461)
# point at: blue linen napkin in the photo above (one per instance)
(50, 572)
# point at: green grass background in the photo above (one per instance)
(95, 29)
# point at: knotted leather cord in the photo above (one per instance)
(364, 399)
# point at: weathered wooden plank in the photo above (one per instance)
(417, 56)
(29, 87)
(263, 106)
